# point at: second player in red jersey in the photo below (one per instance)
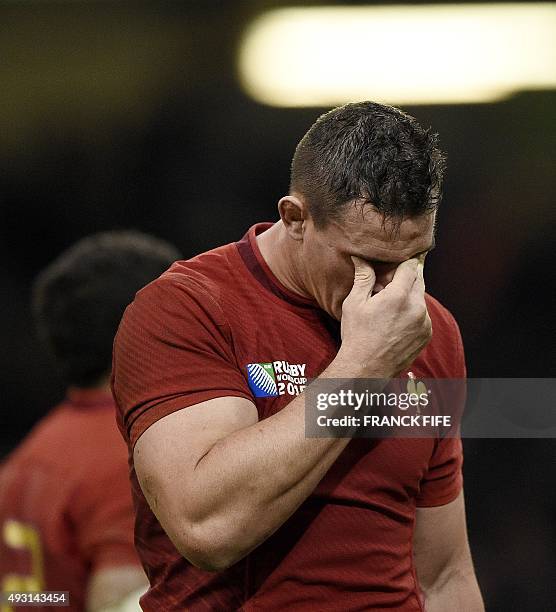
(66, 514)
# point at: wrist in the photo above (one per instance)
(355, 366)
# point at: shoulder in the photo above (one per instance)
(49, 450)
(42, 441)
(444, 355)
(443, 320)
(197, 284)
(58, 440)
(184, 310)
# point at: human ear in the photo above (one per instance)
(293, 212)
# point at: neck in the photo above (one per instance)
(282, 254)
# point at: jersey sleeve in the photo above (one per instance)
(444, 478)
(173, 349)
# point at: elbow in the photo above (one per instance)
(208, 549)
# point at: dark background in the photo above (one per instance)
(131, 115)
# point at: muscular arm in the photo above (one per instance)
(220, 482)
(443, 560)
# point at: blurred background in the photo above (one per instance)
(152, 115)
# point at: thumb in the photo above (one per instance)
(364, 276)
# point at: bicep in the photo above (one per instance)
(166, 455)
(440, 540)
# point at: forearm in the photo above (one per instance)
(250, 482)
(257, 478)
(456, 590)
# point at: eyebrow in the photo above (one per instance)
(382, 261)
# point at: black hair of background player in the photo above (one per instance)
(79, 299)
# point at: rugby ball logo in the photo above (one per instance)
(261, 379)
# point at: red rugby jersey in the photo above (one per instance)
(192, 335)
(65, 503)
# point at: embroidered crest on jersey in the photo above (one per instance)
(270, 379)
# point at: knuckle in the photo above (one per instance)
(362, 277)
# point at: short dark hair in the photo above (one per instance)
(372, 153)
(79, 299)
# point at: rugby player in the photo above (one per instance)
(236, 508)
(66, 515)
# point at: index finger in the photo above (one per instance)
(419, 284)
(406, 274)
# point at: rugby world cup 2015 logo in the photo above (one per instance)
(262, 379)
(274, 378)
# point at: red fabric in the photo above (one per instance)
(188, 337)
(69, 482)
